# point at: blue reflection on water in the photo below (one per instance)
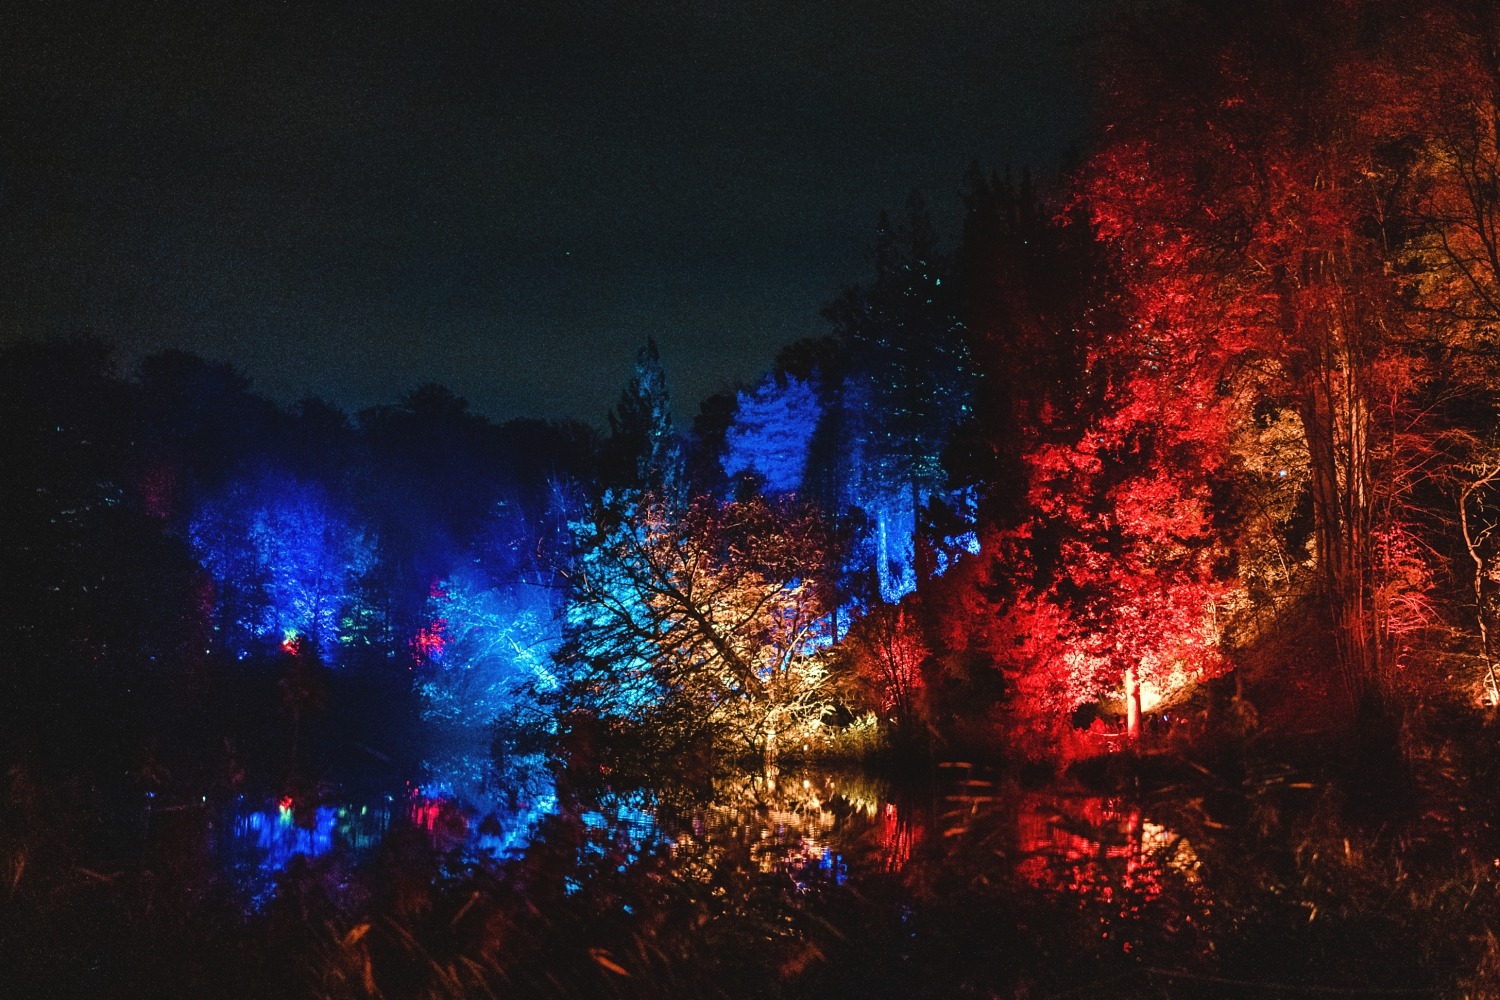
(463, 805)
(264, 838)
(497, 805)
(278, 837)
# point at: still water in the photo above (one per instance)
(477, 879)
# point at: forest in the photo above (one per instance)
(1190, 452)
(1225, 391)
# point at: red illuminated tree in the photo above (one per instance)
(1256, 188)
(1103, 435)
(888, 656)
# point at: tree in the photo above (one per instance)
(286, 562)
(1255, 186)
(202, 421)
(708, 620)
(1476, 534)
(704, 465)
(642, 450)
(889, 652)
(903, 386)
(1450, 269)
(486, 652)
(772, 429)
(1097, 450)
(102, 608)
(908, 346)
(431, 474)
(1452, 259)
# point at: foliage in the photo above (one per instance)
(896, 384)
(708, 619)
(1235, 367)
(907, 354)
(286, 561)
(1262, 193)
(772, 430)
(889, 653)
(488, 652)
(642, 449)
(1101, 562)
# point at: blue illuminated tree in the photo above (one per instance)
(286, 562)
(642, 450)
(904, 386)
(490, 651)
(771, 433)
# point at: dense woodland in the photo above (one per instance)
(1198, 438)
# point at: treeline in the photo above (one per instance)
(198, 574)
(1224, 396)
(171, 538)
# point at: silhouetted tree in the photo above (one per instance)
(642, 451)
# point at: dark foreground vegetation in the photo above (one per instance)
(1168, 493)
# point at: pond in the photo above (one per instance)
(478, 879)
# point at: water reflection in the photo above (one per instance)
(812, 827)
(837, 881)
(263, 839)
(471, 802)
(463, 803)
(1134, 876)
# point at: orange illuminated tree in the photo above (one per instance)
(702, 623)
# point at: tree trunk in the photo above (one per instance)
(1133, 703)
(1339, 447)
(1330, 369)
(1472, 544)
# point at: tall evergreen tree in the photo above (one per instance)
(906, 386)
(642, 450)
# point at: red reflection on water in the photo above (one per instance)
(898, 835)
(444, 819)
(1092, 849)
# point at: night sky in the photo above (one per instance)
(350, 199)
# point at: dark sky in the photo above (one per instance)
(350, 199)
